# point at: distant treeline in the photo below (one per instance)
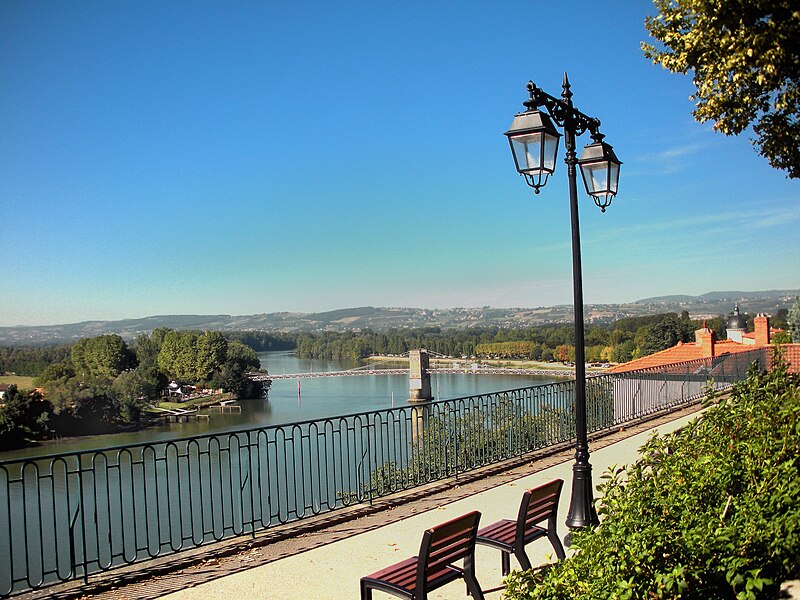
(31, 361)
(617, 342)
(620, 341)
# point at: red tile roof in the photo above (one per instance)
(680, 353)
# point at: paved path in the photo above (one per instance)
(332, 571)
(325, 563)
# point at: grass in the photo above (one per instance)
(197, 402)
(22, 382)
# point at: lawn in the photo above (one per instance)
(201, 402)
(23, 383)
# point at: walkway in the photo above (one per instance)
(326, 564)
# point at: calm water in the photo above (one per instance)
(316, 399)
(94, 512)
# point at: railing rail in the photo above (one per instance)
(69, 516)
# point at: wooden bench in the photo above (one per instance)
(441, 546)
(538, 505)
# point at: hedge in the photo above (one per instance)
(709, 511)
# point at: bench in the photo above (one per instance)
(538, 505)
(442, 546)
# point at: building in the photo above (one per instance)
(706, 345)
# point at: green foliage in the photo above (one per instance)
(664, 333)
(709, 511)
(207, 357)
(446, 442)
(22, 416)
(102, 357)
(242, 356)
(176, 358)
(537, 343)
(147, 349)
(521, 349)
(55, 374)
(623, 352)
(745, 64)
(793, 321)
(134, 390)
(212, 350)
(31, 361)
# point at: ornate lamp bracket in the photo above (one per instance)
(561, 110)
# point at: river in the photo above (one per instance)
(88, 512)
(317, 398)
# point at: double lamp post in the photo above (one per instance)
(534, 144)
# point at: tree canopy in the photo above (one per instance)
(793, 320)
(744, 56)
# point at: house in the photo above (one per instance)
(737, 330)
(706, 345)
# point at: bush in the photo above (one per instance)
(710, 511)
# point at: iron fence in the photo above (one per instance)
(66, 517)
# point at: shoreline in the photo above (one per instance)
(495, 362)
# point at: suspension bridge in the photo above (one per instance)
(364, 371)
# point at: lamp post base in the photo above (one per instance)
(581, 506)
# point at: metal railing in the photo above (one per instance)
(66, 517)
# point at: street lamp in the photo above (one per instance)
(534, 144)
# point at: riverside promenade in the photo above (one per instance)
(326, 562)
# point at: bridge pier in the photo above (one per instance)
(419, 379)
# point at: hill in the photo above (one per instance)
(378, 319)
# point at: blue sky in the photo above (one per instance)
(240, 158)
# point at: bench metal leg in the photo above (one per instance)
(366, 591)
(523, 559)
(473, 587)
(553, 537)
(505, 561)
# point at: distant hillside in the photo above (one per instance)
(721, 297)
(380, 319)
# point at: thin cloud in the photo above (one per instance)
(718, 223)
(668, 161)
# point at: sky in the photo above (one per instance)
(255, 157)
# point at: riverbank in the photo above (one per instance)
(500, 363)
(199, 402)
(152, 418)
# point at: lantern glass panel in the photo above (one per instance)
(535, 152)
(613, 178)
(595, 177)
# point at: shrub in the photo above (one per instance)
(709, 511)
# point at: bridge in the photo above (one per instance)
(471, 370)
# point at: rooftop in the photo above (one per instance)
(680, 353)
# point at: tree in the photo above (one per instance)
(243, 356)
(793, 320)
(212, 348)
(102, 357)
(564, 353)
(135, 389)
(623, 352)
(146, 350)
(176, 358)
(745, 61)
(664, 334)
(57, 373)
(22, 415)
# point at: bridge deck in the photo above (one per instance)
(359, 372)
